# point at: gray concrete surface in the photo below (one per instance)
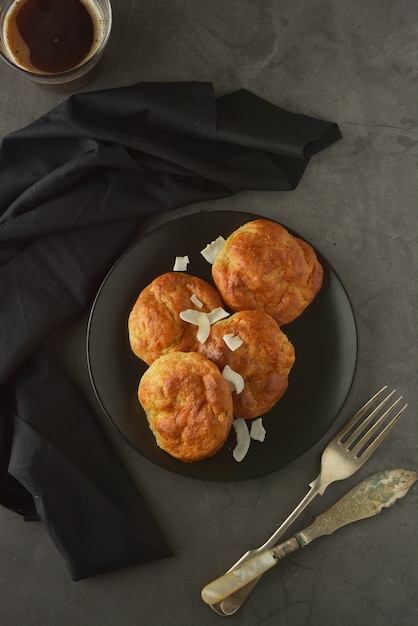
(354, 63)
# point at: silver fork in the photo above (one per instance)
(342, 457)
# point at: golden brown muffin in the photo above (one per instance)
(154, 325)
(188, 405)
(264, 359)
(262, 266)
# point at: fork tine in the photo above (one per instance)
(345, 430)
(364, 424)
(361, 449)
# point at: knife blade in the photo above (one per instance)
(366, 499)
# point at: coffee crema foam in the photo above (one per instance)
(19, 52)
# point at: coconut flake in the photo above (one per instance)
(243, 439)
(196, 300)
(203, 331)
(181, 263)
(217, 314)
(232, 341)
(199, 319)
(211, 251)
(204, 322)
(191, 316)
(258, 432)
(235, 380)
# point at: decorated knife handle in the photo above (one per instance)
(238, 577)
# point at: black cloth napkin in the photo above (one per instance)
(74, 187)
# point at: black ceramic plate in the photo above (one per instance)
(324, 337)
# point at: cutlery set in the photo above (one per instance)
(343, 456)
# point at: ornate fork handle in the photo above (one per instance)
(229, 605)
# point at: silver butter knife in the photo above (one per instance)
(366, 499)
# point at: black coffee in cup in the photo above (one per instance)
(52, 36)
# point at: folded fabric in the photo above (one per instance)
(74, 187)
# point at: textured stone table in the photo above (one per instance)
(352, 63)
